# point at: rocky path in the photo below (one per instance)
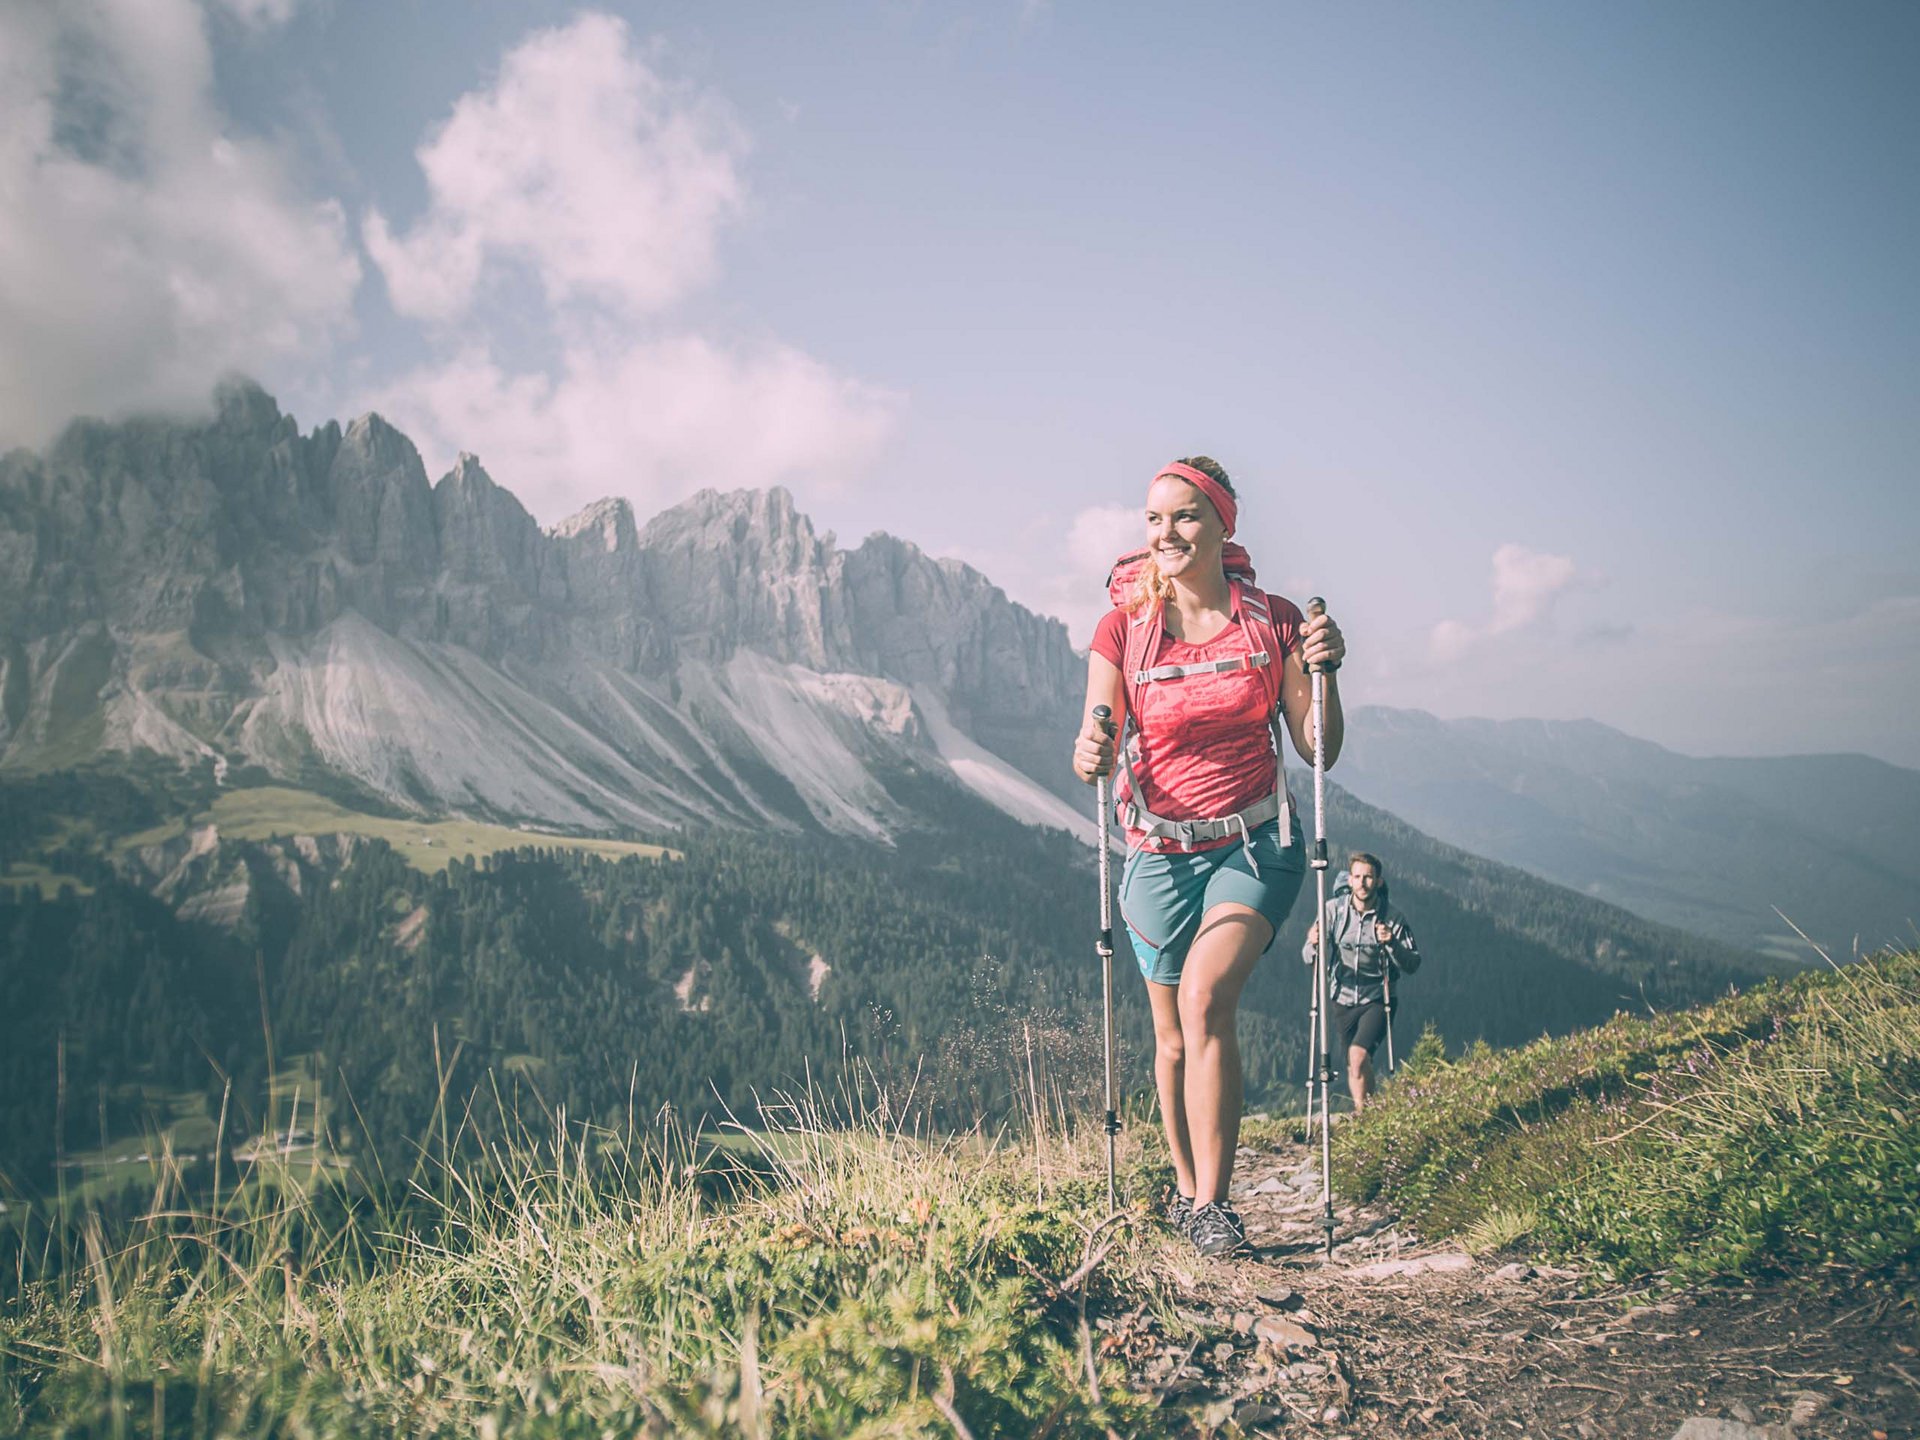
(1394, 1337)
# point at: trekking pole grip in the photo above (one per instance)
(1317, 607)
(1103, 791)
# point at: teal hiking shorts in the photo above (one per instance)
(1164, 896)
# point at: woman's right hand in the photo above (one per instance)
(1093, 750)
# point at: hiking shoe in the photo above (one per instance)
(1179, 1212)
(1216, 1230)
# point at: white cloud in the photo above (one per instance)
(1064, 573)
(1526, 583)
(586, 168)
(654, 419)
(1100, 535)
(144, 249)
(259, 14)
(583, 164)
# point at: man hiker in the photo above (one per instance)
(1371, 946)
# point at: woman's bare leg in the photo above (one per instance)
(1231, 939)
(1169, 1078)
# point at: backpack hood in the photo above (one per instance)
(1234, 559)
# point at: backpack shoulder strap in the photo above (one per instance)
(1256, 618)
(1142, 631)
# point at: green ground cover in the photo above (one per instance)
(854, 1282)
(184, 1130)
(815, 1279)
(268, 812)
(29, 874)
(1777, 1128)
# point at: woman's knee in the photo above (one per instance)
(1169, 1048)
(1207, 1009)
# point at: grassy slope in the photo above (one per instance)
(270, 811)
(1780, 1127)
(867, 1282)
(27, 874)
(860, 1283)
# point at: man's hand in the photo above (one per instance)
(1313, 940)
(1383, 933)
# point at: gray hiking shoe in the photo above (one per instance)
(1216, 1230)
(1179, 1212)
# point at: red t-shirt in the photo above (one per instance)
(1205, 749)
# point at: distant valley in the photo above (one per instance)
(1712, 846)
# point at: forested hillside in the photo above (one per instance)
(553, 978)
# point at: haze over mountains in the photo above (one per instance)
(1710, 845)
(312, 606)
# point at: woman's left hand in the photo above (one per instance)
(1321, 642)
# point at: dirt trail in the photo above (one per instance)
(1394, 1337)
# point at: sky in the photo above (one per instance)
(1572, 352)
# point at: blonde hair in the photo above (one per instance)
(1151, 589)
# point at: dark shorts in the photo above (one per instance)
(1164, 896)
(1361, 1025)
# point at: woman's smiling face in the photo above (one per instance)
(1183, 528)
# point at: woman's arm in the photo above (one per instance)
(1093, 747)
(1320, 642)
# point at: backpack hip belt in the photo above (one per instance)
(1190, 832)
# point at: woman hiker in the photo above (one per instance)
(1204, 669)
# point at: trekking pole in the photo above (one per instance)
(1313, 1037)
(1103, 790)
(1316, 607)
(1386, 985)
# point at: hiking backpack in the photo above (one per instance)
(1137, 671)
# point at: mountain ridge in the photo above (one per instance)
(241, 592)
(307, 605)
(1712, 845)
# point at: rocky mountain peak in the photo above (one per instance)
(746, 568)
(485, 534)
(763, 523)
(231, 587)
(383, 506)
(239, 404)
(468, 474)
(605, 525)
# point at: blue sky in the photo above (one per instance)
(1571, 351)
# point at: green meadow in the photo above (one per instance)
(817, 1277)
(269, 812)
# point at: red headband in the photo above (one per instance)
(1221, 497)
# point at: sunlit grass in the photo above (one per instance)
(1779, 1127)
(30, 875)
(270, 812)
(830, 1272)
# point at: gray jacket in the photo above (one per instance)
(1357, 957)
